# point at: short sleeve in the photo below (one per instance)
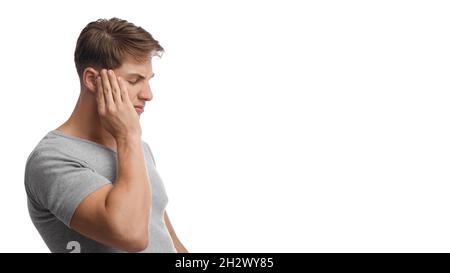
(59, 182)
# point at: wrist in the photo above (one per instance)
(127, 139)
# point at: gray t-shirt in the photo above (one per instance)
(61, 171)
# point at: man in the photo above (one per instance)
(91, 183)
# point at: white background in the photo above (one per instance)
(277, 126)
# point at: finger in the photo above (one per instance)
(107, 89)
(100, 96)
(115, 86)
(124, 91)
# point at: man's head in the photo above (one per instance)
(121, 46)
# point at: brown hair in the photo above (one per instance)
(105, 43)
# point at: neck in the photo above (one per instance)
(85, 122)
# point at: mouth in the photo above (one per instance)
(139, 109)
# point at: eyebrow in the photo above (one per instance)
(139, 75)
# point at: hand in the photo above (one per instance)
(117, 113)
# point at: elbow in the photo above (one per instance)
(132, 239)
(137, 244)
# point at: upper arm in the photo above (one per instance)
(178, 245)
(92, 219)
(76, 195)
(169, 226)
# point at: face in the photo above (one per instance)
(137, 76)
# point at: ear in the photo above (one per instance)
(89, 76)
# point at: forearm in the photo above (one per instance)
(180, 247)
(129, 201)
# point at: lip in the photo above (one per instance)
(139, 109)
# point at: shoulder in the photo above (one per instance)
(40, 168)
(149, 151)
(49, 152)
(145, 145)
(46, 160)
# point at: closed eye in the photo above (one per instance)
(140, 77)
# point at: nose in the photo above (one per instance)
(145, 93)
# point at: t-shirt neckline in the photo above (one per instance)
(59, 133)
